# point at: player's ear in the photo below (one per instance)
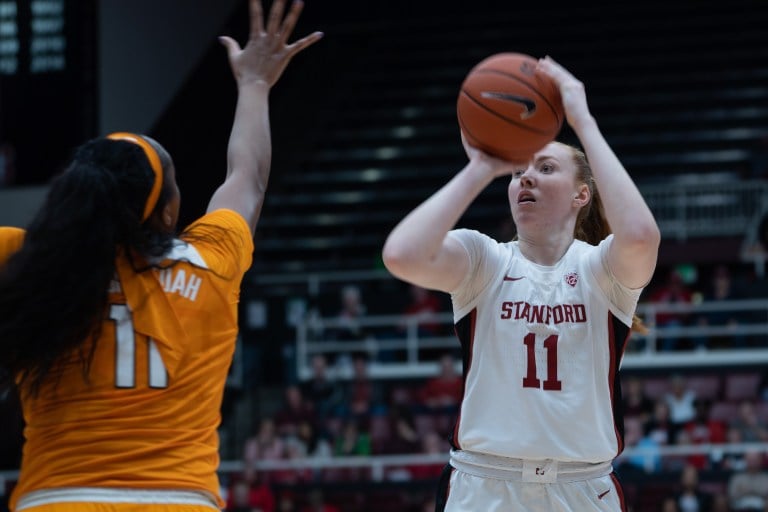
(582, 195)
(167, 217)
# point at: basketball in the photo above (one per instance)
(506, 109)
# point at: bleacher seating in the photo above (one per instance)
(365, 128)
(675, 87)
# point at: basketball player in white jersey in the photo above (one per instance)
(542, 320)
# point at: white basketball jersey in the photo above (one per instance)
(542, 347)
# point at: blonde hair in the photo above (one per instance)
(591, 224)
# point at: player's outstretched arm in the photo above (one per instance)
(256, 68)
(634, 251)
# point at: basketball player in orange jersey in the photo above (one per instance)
(542, 320)
(118, 334)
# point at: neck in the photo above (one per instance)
(544, 250)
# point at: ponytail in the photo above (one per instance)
(591, 225)
(54, 290)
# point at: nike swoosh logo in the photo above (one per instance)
(600, 496)
(507, 278)
(528, 104)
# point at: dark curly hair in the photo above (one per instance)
(54, 290)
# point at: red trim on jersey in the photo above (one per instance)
(467, 346)
(612, 369)
(620, 491)
(616, 351)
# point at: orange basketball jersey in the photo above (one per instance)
(146, 414)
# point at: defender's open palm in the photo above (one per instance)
(267, 53)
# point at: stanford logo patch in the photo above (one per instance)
(572, 278)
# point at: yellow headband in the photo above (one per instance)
(154, 162)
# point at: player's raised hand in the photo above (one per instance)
(571, 90)
(267, 52)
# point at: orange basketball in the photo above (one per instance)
(506, 109)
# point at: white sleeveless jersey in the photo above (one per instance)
(541, 350)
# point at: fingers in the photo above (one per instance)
(556, 71)
(304, 42)
(257, 18)
(290, 20)
(275, 15)
(230, 44)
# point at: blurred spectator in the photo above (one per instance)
(669, 504)
(680, 400)
(265, 445)
(317, 503)
(423, 307)
(660, 426)
(721, 288)
(295, 450)
(720, 502)
(351, 311)
(314, 440)
(443, 393)
(672, 291)
(703, 430)
(361, 396)
(689, 495)
(748, 489)
(751, 429)
(319, 390)
(431, 444)
(295, 409)
(287, 502)
(646, 457)
(352, 440)
(657, 431)
(733, 460)
(404, 436)
(250, 493)
(637, 403)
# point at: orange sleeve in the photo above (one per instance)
(10, 242)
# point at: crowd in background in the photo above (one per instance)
(324, 417)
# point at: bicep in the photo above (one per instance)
(632, 265)
(234, 194)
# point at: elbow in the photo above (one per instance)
(395, 258)
(644, 236)
(402, 258)
(652, 235)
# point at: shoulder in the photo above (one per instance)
(476, 242)
(219, 238)
(221, 219)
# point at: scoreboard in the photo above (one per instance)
(48, 86)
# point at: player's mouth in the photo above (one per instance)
(525, 197)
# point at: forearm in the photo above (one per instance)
(625, 208)
(249, 155)
(249, 151)
(420, 235)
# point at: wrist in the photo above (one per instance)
(480, 171)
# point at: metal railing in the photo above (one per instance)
(685, 210)
(402, 338)
(379, 465)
